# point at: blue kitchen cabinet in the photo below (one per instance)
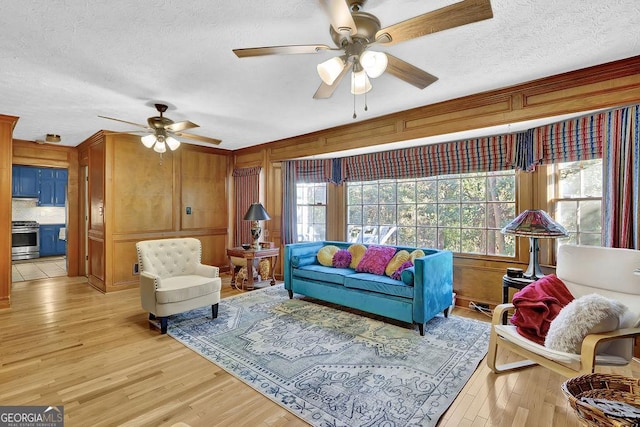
(26, 181)
(53, 187)
(50, 244)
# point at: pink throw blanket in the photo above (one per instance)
(537, 305)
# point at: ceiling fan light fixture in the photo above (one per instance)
(148, 140)
(172, 143)
(160, 147)
(374, 63)
(330, 70)
(360, 83)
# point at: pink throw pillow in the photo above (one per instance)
(375, 259)
(397, 275)
(342, 259)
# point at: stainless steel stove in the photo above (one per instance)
(25, 240)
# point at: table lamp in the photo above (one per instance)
(256, 213)
(534, 224)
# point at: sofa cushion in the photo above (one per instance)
(342, 259)
(181, 288)
(397, 275)
(325, 255)
(320, 273)
(357, 252)
(398, 259)
(378, 283)
(375, 259)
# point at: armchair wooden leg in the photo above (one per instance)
(163, 325)
(214, 311)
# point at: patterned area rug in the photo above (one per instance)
(335, 368)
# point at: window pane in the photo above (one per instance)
(320, 195)
(407, 192)
(387, 193)
(354, 214)
(500, 244)
(449, 239)
(354, 194)
(473, 215)
(407, 236)
(567, 215)
(592, 178)
(590, 239)
(370, 194)
(427, 237)
(569, 182)
(501, 188)
(449, 215)
(590, 217)
(426, 191)
(407, 215)
(428, 215)
(449, 190)
(387, 214)
(370, 214)
(473, 189)
(474, 241)
(500, 214)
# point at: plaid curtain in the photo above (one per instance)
(621, 163)
(247, 190)
(473, 155)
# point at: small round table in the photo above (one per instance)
(512, 282)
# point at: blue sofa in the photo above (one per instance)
(425, 290)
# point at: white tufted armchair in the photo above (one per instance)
(173, 280)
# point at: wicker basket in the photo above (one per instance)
(597, 397)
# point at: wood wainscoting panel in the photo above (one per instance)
(142, 187)
(96, 263)
(203, 190)
(96, 186)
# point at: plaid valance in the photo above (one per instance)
(247, 171)
(315, 170)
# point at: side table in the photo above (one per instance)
(512, 282)
(252, 255)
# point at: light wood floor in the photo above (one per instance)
(64, 343)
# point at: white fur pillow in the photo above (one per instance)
(588, 314)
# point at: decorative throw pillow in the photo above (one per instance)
(408, 276)
(588, 314)
(398, 259)
(397, 275)
(375, 259)
(325, 255)
(342, 258)
(418, 253)
(357, 252)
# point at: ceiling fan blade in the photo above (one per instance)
(198, 137)
(455, 15)
(124, 121)
(178, 126)
(340, 16)
(127, 132)
(325, 91)
(281, 50)
(409, 73)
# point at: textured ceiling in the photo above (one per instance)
(63, 63)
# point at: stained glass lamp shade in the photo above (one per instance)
(534, 224)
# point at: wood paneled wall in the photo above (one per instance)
(135, 194)
(610, 85)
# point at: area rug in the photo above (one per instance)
(332, 367)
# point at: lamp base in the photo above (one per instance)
(256, 231)
(533, 271)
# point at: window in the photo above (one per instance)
(578, 201)
(462, 213)
(311, 209)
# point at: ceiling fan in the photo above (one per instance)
(163, 131)
(354, 31)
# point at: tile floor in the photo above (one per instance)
(40, 268)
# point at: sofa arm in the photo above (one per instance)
(207, 270)
(433, 285)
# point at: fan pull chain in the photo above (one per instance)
(353, 89)
(365, 102)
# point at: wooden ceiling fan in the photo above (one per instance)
(162, 131)
(354, 32)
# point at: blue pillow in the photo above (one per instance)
(301, 261)
(407, 275)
